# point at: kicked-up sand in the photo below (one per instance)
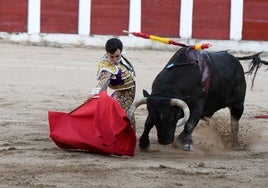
(38, 79)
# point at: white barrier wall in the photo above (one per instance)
(83, 38)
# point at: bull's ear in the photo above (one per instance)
(145, 93)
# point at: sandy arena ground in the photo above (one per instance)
(36, 79)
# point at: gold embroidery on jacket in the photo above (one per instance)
(106, 66)
(127, 76)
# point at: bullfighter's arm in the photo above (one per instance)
(103, 83)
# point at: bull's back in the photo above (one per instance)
(182, 81)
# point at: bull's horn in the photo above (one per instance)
(134, 106)
(184, 107)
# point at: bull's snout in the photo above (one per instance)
(165, 136)
(165, 140)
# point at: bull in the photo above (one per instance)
(193, 85)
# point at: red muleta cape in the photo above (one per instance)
(97, 126)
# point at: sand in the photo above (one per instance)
(36, 79)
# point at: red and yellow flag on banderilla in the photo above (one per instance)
(167, 41)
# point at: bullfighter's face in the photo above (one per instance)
(115, 57)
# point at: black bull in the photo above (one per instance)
(194, 85)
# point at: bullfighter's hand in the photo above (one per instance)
(91, 96)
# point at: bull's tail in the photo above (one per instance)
(254, 65)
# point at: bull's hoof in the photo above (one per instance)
(144, 143)
(144, 149)
(188, 147)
